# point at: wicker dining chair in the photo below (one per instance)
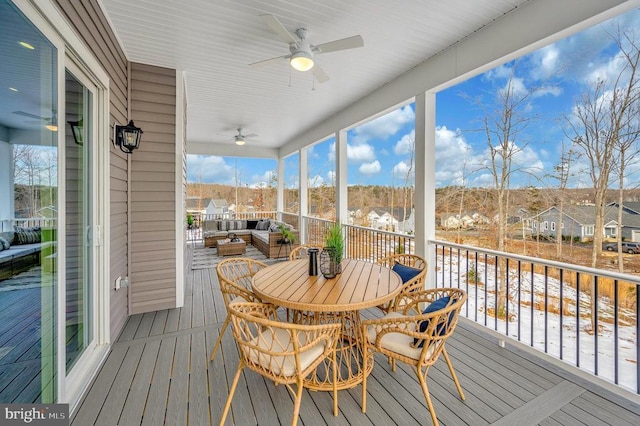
(416, 340)
(280, 351)
(234, 276)
(412, 269)
(301, 252)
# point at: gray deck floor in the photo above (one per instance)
(158, 372)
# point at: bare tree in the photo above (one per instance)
(600, 122)
(408, 186)
(562, 172)
(503, 128)
(626, 143)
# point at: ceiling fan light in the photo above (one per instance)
(52, 127)
(302, 60)
(239, 140)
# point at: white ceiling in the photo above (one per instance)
(213, 41)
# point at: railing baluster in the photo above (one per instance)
(595, 324)
(533, 299)
(475, 276)
(496, 291)
(506, 296)
(561, 313)
(578, 319)
(615, 331)
(519, 299)
(546, 309)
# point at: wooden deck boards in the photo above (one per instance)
(159, 373)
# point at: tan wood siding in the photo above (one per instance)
(93, 28)
(153, 194)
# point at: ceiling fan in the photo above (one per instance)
(52, 122)
(241, 139)
(301, 51)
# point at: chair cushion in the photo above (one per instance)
(279, 364)
(397, 342)
(434, 306)
(239, 299)
(406, 272)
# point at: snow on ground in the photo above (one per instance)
(575, 334)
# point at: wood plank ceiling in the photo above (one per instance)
(214, 41)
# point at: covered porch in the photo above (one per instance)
(158, 372)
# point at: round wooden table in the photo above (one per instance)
(317, 299)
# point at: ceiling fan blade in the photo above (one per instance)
(274, 25)
(250, 135)
(28, 114)
(342, 44)
(319, 74)
(261, 64)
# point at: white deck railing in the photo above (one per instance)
(551, 306)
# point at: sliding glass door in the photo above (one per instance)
(79, 291)
(53, 265)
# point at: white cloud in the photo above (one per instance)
(370, 168)
(360, 153)
(455, 157)
(546, 62)
(515, 87)
(400, 171)
(315, 181)
(208, 169)
(267, 178)
(385, 126)
(405, 144)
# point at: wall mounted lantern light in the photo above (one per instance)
(76, 130)
(127, 137)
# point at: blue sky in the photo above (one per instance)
(379, 150)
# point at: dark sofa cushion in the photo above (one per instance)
(251, 224)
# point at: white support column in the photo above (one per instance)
(6, 185)
(280, 198)
(341, 176)
(303, 194)
(425, 213)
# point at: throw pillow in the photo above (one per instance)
(223, 225)
(406, 272)
(436, 305)
(263, 225)
(251, 224)
(274, 227)
(4, 244)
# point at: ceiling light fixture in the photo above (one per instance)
(302, 60)
(240, 140)
(52, 126)
(26, 45)
(13, 89)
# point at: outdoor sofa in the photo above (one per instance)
(263, 234)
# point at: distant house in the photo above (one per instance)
(197, 205)
(466, 220)
(631, 207)
(218, 208)
(372, 219)
(387, 222)
(579, 221)
(408, 226)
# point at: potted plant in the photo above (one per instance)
(287, 235)
(331, 256)
(189, 220)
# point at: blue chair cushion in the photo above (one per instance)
(434, 306)
(406, 272)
